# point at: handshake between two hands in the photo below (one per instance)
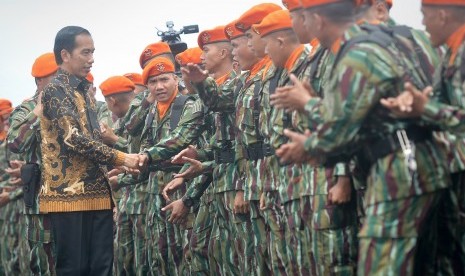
(135, 163)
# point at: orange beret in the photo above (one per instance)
(212, 36)
(44, 65)
(152, 51)
(315, 3)
(255, 15)
(5, 106)
(231, 31)
(157, 66)
(191, 55)
(389, 2)
(292, 5)
(136, 78)
(273, 22)
(90, 78)
(444, 2)
(116, 85)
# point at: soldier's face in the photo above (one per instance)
(435, 23)
(309, 24)
(243, 54)
(4, 122)
(162, 86)
(211, 57)
(298, 20)
(255, 43)
(274, 49)
(80, 60)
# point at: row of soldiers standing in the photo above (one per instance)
(320, 162)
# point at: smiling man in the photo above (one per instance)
(75, 190)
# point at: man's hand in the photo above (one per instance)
(108, 135)
(4, 198)
(15, 170)
(113, 181)
(410, 103)
(132, 161)
(195, 169)
(262, 201)
(38, 110)
(15, 181)
(178, 211)
(194, 73)
(116, 171)
(171, 187)
(241, 206)
(294, 151)
(341, 192)
(293, 97)
(190, 152)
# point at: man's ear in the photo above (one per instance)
(65, 55)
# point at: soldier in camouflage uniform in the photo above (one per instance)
(445, 110)
(396, 211)
(24, 138)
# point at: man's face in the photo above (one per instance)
(139, 88)
(255, 43)
(274, 50)
(243, 54)
(80, 60)
(298, 20)
(211, 57)
(4, 122)
(434, 25)
(163, 86)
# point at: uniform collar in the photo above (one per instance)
(454, 42)
(75, 82)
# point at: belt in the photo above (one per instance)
(224, 156)
(258, 151)
(381, 148)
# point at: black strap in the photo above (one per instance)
(176, 110)
(256, 108)
(274, 81)
(406, 32)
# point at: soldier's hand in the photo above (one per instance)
(195, 169)
(194, 73)
(38, 109)
(241, 206)
(293, 97)
(143, 161)
(113, 181)
(178, 211)
(410, 103)
(14, 172)
(171, 187)
(4, 198)
(15, 181)
(116, 171)
(294, 151)
(190, 152)
(341, 192)
(108, 135)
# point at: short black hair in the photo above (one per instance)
(339, 12)
(66, 39)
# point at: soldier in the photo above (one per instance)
(24, 138)
(396, 211)
(441, 106)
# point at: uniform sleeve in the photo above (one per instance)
(64, 122)
(23, 125)
(216, 99)
(190, 127)
(138, 111)
(357, 85)
(446, 117)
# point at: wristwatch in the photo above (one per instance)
(188, 201)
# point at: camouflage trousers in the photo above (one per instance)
(130, 245)
(277, 258)
(224, 259)
(333, 230)
(257, 257)
(297, 237)
(390, 239)
(165, 240)
(10, 241)
(200, 238)
(40, 248)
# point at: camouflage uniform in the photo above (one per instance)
(399, 197)
(224, 258)
(24, 137)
